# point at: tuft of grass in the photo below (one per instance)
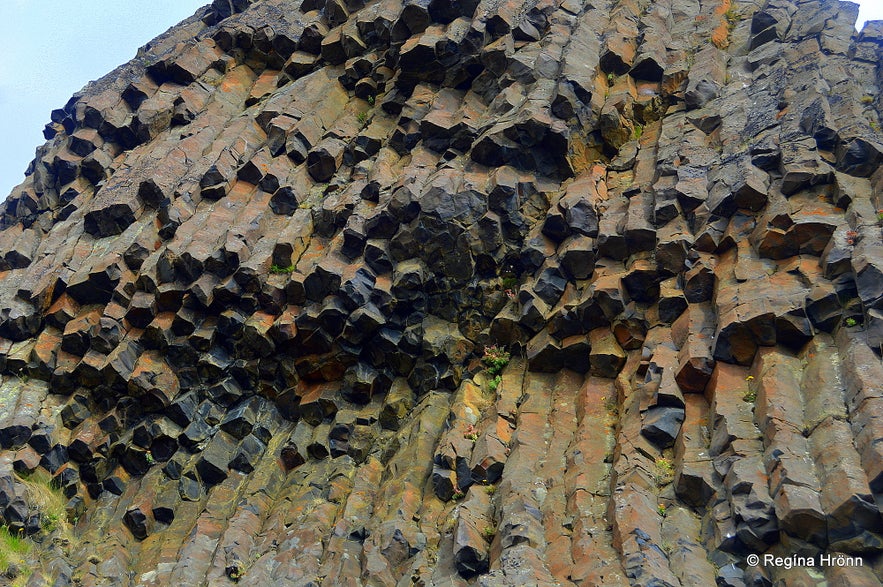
(850, 322)
(509, 282)
(46, 499)
(489, 532)
(14, 550)
(458, 495)
(637, 132)
(371, 100)
(278, 269)
(362, 117)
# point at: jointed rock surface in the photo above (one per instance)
(253, 287)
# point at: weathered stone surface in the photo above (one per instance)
(661, 425)
(471, 549)
(449, 293)
(694, 480)
(152, 382)
(606, 357)
(693, 332)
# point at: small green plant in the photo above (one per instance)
(50, 521)
(867, 99)
(850, 322)
(371, 100)
(732, 17)
(637, 132)
(278, 269)
(490, 489)
(149, 458)
(457, 495)
(489, 532)
(495, 359)
(664, 471)
(509, 282)
(471, 433)
(750, 395)
(362, 117)
(661, 510)
(879, 216)
(235, 571)
(495, 382)
(611, 79)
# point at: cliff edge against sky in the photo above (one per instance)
(492, 292)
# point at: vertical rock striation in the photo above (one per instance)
(456, 293)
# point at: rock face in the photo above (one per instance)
(260, 289)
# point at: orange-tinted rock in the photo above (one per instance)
(153, 382)
(268, 255)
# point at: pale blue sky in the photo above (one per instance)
(50, 49)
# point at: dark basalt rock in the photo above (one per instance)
(334, 285)
(138, 523)
(661, 425)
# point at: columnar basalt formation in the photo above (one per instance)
(259, 287)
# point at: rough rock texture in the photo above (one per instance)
(248, 284)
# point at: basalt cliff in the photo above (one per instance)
(454, 292)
